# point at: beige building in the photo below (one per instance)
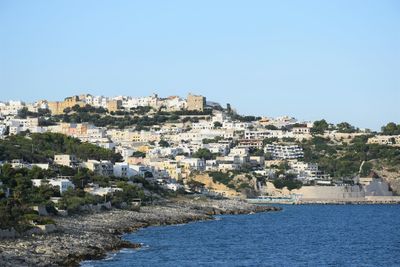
(73, 129)
(102, 167)
(133, 136)
(58, 107)
(114, 105)
(385, 140)
(196, 102)
(65, 160)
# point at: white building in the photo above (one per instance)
(123, 169)
(95, 189)
(235, 125)
(20, 125)
(284, 151)
(62, 183)
(219, 148)
(194, 163)
(308, 171)
(203, 125)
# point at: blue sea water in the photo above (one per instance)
(299, 235)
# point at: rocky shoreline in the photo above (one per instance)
(91, 236)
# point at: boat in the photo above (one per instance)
(283, 199)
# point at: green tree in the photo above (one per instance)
(217, 124)
(319, 127)
(391, 129)
(163, 143)
(289, 183)
(138, 154)
(366, 169)
(203, 153)
(345, 127)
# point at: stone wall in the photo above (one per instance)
(330, 192)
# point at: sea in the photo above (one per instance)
(299, 235)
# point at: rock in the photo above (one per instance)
(91, 236)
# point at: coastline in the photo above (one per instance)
(92, 236)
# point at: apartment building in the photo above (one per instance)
(284, 151)
(250, 143)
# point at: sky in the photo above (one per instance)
(337, 60)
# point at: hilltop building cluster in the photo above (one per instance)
(204, 138)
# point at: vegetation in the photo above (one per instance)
(256, 152)
(345, 127)
(72, 200)
(222, 177)
(17, 196)
(287, 182)
(271, 127)
(245, 118)
(139, 154)
(203, 153)
(320, 127)
(217, 124)
(344, 160)
(270, 140)
(163, 143)
(195, 185)
(40, 147)
(391, 129)
(85, 109)
(24, 113)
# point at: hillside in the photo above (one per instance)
(41, 147)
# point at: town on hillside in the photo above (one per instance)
(112, 151)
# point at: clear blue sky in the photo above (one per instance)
(338, 60)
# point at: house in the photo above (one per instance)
(248, 143)
(301, 130)
(62, 182)
(203, 125)
(21, 125)
(218, 148)
(236, 159)
(227, 166)
(95, 189)
(123, 169)
(102, 167)
(257, 160)
(66, 160)
(195, 164)
(236, 125)
(309, 172)
(385, 140)
(211, 165)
